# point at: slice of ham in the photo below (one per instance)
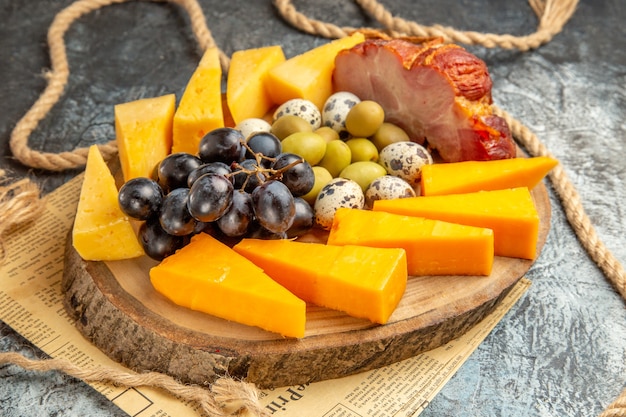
(440, 94)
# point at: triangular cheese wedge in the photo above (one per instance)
(208, 276)
(471, 176)
(511, 214)
(363, 282)
(200, 108)
(101, 231)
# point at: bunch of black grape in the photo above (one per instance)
(232, 188)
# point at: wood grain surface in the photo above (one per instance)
(116, 308)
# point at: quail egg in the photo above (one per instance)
(302, 108)
(405, 160)
(339, 192)
(387, 187)
(252, 125)
(336, 110)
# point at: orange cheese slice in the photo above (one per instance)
(363, 282)
(101, 231)
(510, 213)
(143, 131)
(200, 108)
(471, 176)
(208, 276)
(432, 247)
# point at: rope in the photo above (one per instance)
(552, 14)
(19, 204)
(572, 205)
(580, 222)
(226, 395)
(617, 408)
(305, 24)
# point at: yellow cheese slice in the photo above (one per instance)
(308, 75)
(245, 90)
(143, 130)
(101, 231)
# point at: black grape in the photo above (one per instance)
(210, 197)
(140, 198)
(259, 232)
(236, 220)
(221, 145)
(274, 206)
(303, 220)
(156, 242)
(300, 178)
(208, 168)
(173, 170)
(264, 143)
(174, 217)
(248, 181)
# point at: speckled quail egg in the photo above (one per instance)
(387, 187)
(405, 160)
(252, 125)
(302, 108)
(339, 192)
(336, 110)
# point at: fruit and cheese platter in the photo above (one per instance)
(329, 214)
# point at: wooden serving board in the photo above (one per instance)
(116, 308)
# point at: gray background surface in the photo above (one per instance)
(559, 352)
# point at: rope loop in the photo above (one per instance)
(552, 14)
(57, 78)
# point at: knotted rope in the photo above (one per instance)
(19, 203)
(227, 396)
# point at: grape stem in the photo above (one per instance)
(263, 174)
